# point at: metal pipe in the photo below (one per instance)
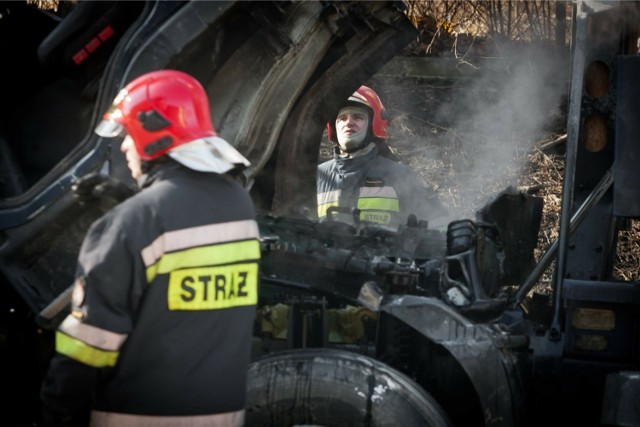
(576, 219)
(573, 128)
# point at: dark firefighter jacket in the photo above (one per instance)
(163, 303)
(384, 192)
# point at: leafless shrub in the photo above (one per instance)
(477, 27)
(45, 4)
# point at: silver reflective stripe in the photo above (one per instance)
(92, 335)
(109, 129)
(199, 236)
(113, 419)
(328, 197)
(387, 192)
(358, 98)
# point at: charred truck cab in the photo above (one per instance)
(357, 325)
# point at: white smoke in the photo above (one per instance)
(509, 108)
(476, 131)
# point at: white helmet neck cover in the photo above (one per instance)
(209, 154)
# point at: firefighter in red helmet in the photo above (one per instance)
(164, 298)
(359, 181)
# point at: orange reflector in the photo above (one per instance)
(596, 80)
(595, 131)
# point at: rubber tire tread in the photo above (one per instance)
(329, 387)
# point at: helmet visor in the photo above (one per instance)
(109, 128)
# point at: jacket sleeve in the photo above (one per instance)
(89, 340)
(67, 386)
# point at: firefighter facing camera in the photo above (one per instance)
(165, 293)
(360, 179)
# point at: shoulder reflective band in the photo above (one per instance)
(224, 253)
(78, 350)
(216, 244)
(199, 236)
(213, 288)
(326, 200)
(378, 192)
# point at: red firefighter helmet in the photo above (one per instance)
(160, 110)
(368, 97)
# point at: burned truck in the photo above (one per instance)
(356, 324)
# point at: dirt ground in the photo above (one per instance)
(435, 129)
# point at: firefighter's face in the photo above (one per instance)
(133, 158)
(351, 120)
(351, 128)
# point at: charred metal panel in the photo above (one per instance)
(626, 187)
(509, 212)
(488, 357)
(621, 399)
(601, 320)
(591, 129)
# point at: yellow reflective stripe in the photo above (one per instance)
(378, 209)
(376, 203)
(78, 350)
(224, 253)
(173, 241)
(91, 335)
(213, 288)
(328, 196)
(322, 209)
(326, 200)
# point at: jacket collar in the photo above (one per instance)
(159, 171)
(355, 163)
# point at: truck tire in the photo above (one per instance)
(327, 387)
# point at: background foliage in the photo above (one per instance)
(463, 23)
